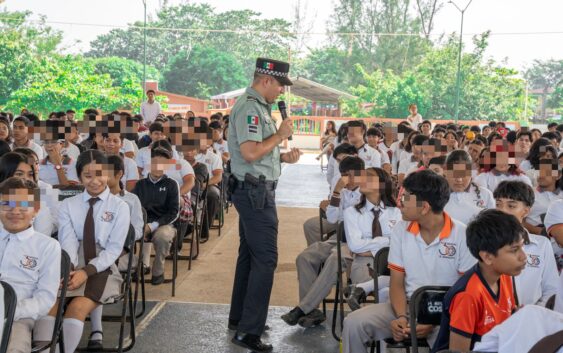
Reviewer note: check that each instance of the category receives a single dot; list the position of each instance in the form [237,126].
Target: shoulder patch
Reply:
[251,99]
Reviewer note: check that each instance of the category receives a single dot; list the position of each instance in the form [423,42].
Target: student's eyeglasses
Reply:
[9,205]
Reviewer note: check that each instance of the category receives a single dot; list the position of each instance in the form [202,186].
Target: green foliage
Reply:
[122,70]
[64,82]
[203,72]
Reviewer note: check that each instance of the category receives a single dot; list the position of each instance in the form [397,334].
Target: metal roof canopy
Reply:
[302,87]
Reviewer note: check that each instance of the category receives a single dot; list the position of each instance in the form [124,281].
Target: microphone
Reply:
[283,112]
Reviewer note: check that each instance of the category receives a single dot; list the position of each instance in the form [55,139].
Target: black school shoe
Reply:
[314,318]
[356,298]
[252,342]
[292,317]
[95,344]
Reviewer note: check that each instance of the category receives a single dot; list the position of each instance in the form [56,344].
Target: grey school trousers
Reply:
[312,229]
[315,286]
[371,323]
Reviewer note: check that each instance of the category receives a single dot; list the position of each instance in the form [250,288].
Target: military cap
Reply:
[277,69]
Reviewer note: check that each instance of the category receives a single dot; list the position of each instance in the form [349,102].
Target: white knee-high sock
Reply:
[43,329]
[72,329]
[96,322]
[147,248]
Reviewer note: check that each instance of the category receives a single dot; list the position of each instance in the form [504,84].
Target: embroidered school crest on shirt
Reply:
[534,260]
[28,262]
[447,250]
[108,216]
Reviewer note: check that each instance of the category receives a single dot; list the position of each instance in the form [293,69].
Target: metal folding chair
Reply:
[57,337]
[339,293]
[10,302]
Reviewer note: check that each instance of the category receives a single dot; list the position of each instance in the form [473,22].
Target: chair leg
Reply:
[335,311]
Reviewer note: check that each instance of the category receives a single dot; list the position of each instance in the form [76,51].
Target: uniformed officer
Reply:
[255,162]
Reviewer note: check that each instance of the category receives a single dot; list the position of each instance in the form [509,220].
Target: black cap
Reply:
[277,69]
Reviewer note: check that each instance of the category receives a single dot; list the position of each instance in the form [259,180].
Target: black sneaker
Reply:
[314,318]
[252,342]
[292,317]
[356,298]
[146,270]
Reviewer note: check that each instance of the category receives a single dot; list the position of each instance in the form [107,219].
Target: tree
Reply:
[64,82]
[545,75]
[427,10]
[123,70]
[202,72]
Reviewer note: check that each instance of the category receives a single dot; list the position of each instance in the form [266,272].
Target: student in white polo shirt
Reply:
[113,142]
[538,282]
[31,261]
[549,189]
[57,168]
[427,248]
[356,133]
[554,226]
[21,136]
[143,158]
[467,199]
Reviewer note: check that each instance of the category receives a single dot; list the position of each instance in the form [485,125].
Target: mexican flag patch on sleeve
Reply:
[252,120]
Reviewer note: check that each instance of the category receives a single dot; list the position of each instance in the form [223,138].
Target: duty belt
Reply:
[270,185]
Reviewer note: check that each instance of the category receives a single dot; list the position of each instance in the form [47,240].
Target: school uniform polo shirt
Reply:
[31,263]
[370,156]
[465,205]
[490,180]
[48,173]
[143,159]
[554,219]
[131,171]
[471,308]
[538,281]
[439,263]
[542,201]
[211,160]
[358,226]
[32,145]
[221,148]
[348,198]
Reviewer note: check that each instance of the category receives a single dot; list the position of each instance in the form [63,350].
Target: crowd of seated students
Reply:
[115,167]
[476,209]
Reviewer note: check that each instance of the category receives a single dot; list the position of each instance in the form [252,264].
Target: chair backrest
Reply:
[66,191]
[427,304]
[144,215]
[65,276]
[10,302]
[341,233]
[380,262]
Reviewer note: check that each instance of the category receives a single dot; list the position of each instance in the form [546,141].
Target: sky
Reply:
[506,19]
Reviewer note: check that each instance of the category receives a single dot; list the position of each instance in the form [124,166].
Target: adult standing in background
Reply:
[414,119]
[151,108]
[256,166]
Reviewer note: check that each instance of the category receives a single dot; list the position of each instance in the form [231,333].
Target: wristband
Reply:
[405,316]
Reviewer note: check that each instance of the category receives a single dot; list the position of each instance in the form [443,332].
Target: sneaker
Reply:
[314,318]
[156,280]
[292,317]
[356,298]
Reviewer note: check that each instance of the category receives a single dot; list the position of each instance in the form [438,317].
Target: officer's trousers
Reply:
[256,263]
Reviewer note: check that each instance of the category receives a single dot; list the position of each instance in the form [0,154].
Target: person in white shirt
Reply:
[93,227]
[143,159]
[374,136]
[554,226]
[116,187]
[332,165]
[549,189]
[215,169]
[421,253]
[500,167]
[538,281]
[113,142]
[356,132]
[57,168]
[219,144]
[414,118]
[21,136]
[541,149]
[409,164]
[151,108]
[31,261]
[14,164]
[467,199]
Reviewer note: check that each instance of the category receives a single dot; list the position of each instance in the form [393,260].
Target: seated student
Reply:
[143,158]
[474,149]
[115,185]
[50,196]
[113,143]
[432,148]
[93,227]
[541,149]
[57,168]
[30,260]
[374,136]
[436,164]
[425,128]
[538,281]
[415,259]
[332,165]
[554,226]
[14,164]
[467,199]
[500,166]
[405,149]
[484,297]
[311,227]
[21,136]
[413,162]
[71,135]
[160,197]
[219,144]
[377,213]
[356,132]
[550,189]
